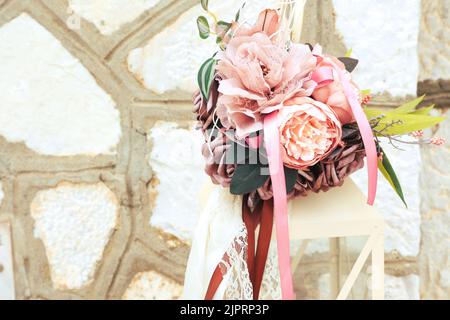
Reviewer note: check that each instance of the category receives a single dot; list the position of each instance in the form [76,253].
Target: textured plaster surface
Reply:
[109,15]
[49,100]
[402,288]
[75,222]
[2,195]
[435,209]
[384,36]
[171,59]
[178,165]
[434,47]
[54,118]
[402,233]
[152,285]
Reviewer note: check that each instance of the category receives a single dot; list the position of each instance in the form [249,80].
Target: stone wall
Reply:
[100,166]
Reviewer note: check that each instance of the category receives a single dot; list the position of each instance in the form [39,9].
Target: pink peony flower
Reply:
[258,76]
[268,22]
[309,132]
[332,93]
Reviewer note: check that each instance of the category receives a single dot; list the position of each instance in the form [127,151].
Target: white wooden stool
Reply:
[341,212]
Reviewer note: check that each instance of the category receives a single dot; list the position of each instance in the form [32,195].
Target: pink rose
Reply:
[309,132]
[333,93]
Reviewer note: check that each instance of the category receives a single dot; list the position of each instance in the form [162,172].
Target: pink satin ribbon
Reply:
[366,134]
[272,142]
[276,168]
[323,76]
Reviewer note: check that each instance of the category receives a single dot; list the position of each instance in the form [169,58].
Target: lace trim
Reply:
[234,265]
[235,271]
[270,286]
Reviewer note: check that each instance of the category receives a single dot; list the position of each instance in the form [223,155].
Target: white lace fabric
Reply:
[236,276]
[221,240]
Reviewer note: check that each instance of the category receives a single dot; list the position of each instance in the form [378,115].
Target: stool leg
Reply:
[378,266]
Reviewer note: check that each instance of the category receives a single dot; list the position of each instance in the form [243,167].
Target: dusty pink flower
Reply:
[258,76]
[309,132]
[332,93]
[268,22]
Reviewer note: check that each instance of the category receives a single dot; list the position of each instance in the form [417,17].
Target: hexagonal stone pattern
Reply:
[49,100]
[109,15]
[152,285]
[384,36]
[75,222]
[178,164]
[170,60]
[402,233]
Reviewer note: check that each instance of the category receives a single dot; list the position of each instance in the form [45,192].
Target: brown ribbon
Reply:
[256,257]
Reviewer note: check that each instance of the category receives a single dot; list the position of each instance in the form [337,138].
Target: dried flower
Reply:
[438,141]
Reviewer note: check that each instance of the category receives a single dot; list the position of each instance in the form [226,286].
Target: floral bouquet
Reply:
[283,119]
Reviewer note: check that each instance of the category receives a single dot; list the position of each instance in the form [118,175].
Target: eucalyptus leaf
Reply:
[388,172]
[203,27]
[247,178]
[350,63]
[204,4]
[205,77]
[291,178]
[223,24]
[222,29]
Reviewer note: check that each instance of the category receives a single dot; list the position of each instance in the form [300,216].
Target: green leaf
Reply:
[223,27]
[349,52]
[204,4]
[406,123]
[247,178]
[203,27]
[238,14]
[224,24]
[350,63]
[394,123]
[205,77]
[388,172]
[409,106]
[372,113]
[291,178]
[424,111]
[365,92]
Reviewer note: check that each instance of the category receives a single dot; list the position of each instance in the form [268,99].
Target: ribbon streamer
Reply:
[276,168]
[272,142]
[366,134]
